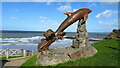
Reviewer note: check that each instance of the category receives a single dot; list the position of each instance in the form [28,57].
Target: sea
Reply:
[29,39]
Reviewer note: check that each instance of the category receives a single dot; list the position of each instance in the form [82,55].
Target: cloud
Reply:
[106,14]
[49,21]
[64,8]
[113,23]
[100,22]
[43,17]
[60,0]
[13,17]
[59,3]
[17,0]
[44,21]
[108,25]
[44,0]
[55,23]
[54,0]
[48,2]
[16,10]
[111,3]
[75,10]
[67,7]
[72,10]
[92,5]
[108,0]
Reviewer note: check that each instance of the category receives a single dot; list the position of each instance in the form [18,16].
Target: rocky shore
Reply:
[95,39]
[114,34]
[90,39]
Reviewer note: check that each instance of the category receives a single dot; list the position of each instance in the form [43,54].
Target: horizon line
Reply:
[40,31]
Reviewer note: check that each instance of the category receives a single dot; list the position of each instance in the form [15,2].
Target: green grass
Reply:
[104,57]
[3,58]
[30,62]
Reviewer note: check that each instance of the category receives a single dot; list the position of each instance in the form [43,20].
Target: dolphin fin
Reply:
[85,17]
[68,13]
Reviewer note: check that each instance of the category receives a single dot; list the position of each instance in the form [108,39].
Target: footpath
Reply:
[16,62]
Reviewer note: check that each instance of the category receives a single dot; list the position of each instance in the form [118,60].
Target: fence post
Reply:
[24,53]
[27,52]
[32,52]
[7,53]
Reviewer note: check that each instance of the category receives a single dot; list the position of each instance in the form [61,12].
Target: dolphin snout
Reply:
[90,11]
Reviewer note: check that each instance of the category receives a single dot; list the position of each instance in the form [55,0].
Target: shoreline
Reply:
[90,39]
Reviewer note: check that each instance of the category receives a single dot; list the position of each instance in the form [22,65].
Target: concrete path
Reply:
[15,62]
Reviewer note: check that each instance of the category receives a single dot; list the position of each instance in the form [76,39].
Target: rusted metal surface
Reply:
[51,36]
[79,14]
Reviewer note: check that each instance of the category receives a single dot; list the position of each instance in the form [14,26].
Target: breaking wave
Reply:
[31,41]
[21,41]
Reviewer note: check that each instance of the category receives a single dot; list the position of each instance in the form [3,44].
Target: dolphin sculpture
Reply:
[52,36]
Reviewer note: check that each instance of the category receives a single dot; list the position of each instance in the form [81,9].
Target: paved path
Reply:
[16,62]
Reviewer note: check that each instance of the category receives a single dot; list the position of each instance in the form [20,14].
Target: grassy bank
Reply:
[3,58]
[107,55]
[30,62]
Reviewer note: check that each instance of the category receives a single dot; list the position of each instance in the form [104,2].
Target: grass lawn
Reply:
[31,62]
[107,55]
[3,58]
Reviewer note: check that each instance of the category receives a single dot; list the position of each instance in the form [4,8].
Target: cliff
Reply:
[114,34]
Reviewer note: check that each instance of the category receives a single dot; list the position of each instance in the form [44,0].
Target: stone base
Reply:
[60,55]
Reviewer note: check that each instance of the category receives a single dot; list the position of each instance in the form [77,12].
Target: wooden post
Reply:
[32,52]
[24,53]
[27,52]
[7,53]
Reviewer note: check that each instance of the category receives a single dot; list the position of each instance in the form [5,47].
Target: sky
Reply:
[41,16]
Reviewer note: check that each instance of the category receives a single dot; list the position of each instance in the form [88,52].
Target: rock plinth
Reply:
[80,48]
[60,55]
[81,39]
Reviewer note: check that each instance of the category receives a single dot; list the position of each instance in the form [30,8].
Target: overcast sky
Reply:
[40,16]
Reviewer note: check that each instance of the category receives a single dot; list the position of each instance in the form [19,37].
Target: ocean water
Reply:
[30,39]
[25,34]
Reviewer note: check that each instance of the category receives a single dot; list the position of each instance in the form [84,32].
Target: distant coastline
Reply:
[26,34]
[90,39]
[29,40]
[22,31]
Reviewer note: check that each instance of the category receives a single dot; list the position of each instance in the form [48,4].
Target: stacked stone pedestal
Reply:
[61,55]
[81,39]
[80,48]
